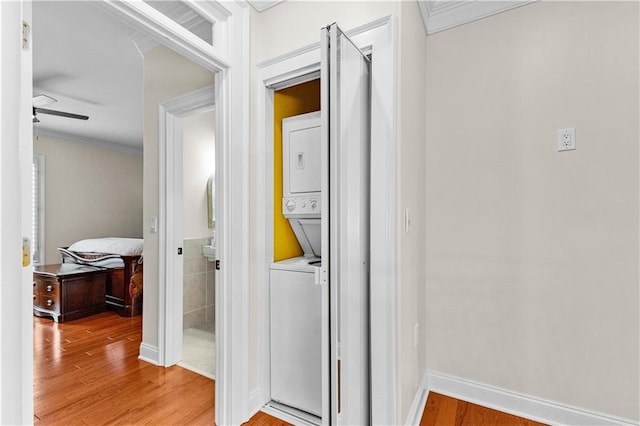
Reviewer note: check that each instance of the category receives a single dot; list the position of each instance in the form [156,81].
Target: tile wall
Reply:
[199,284]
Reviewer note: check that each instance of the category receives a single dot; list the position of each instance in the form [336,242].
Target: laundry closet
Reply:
[295,296]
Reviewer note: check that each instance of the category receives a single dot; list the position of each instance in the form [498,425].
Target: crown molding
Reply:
[440,15]
[262,5]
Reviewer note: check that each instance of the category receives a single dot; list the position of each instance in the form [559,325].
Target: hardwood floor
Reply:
[87,372]
[442,410]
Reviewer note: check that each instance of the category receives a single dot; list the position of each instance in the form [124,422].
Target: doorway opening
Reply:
[188,150]
[376,39]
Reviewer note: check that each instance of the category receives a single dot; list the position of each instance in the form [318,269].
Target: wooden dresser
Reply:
[68,291]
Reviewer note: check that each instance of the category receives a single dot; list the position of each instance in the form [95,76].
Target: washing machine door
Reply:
[296,347]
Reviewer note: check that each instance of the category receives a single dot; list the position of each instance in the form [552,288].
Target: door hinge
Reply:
[179,251]
[217,265]
[26,35]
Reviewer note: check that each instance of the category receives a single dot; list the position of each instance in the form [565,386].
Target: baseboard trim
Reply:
[149,354]
[518,404]
[255,401]
[419,402]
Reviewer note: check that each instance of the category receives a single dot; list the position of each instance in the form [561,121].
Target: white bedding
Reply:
[111,245]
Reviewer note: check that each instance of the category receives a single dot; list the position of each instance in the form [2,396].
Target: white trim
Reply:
[229,58]
[380,36]
[170,235]
[262,5]
[518,404]
[419,402]
[442,15]
[255,402]
[39,161]
[286,414]
[170,33]
[149,354]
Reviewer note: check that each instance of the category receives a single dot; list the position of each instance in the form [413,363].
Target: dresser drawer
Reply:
[46,287]
[50,302]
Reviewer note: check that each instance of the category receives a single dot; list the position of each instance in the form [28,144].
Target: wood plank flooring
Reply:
[87,372]
[442,410]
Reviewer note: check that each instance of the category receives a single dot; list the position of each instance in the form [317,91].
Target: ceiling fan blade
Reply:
[60,113]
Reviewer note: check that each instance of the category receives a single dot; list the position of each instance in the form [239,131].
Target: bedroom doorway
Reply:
[231,69]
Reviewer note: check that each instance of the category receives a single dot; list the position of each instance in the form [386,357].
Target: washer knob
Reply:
[314,204]
[291,205]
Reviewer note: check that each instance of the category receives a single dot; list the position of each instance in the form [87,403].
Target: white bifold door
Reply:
[345,111]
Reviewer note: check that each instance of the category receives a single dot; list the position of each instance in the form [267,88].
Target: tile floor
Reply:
[199,350]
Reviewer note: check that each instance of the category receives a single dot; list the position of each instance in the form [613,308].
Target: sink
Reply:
[209,252]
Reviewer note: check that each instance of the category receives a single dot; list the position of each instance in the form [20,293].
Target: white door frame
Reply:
[170,270]
[377,37]
[229,58]
[16,154]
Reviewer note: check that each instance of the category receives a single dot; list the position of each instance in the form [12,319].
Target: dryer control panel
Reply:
[301,205]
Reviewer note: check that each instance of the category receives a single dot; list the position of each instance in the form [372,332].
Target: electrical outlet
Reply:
[566,139]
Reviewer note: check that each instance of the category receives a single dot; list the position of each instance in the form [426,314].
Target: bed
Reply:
[123,258]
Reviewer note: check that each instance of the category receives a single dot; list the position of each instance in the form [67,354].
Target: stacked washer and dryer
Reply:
[295,297]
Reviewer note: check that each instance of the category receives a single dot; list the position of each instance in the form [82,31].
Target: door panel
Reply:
[345,227]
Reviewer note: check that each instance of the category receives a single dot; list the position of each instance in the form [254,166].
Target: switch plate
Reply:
[153,225]
[407,221]
[566,139]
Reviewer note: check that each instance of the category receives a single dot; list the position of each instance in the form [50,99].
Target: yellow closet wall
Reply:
[288,102]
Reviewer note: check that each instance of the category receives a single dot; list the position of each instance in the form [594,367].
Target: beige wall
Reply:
[90,192]
[167,75]
[532,254]
[198,156]
[271,37]
[411,189]
[272,30]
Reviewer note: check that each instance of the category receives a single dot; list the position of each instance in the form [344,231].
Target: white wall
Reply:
[272,36]
[532,254]
[198,156]
[167,75]
[90,192]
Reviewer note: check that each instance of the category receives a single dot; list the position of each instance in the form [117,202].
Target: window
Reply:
[37,232]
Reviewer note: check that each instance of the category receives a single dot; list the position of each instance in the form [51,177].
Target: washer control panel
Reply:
[306,205]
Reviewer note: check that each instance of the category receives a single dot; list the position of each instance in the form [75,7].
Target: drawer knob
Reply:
[49,302]
[49,288]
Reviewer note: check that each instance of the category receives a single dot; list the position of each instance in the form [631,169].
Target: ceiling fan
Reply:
[42,100]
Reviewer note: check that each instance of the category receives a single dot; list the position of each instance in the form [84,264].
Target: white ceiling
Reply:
[86,60]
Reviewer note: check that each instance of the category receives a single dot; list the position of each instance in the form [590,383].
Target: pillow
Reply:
[111,245]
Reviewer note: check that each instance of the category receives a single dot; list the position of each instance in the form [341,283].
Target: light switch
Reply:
[153,225]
